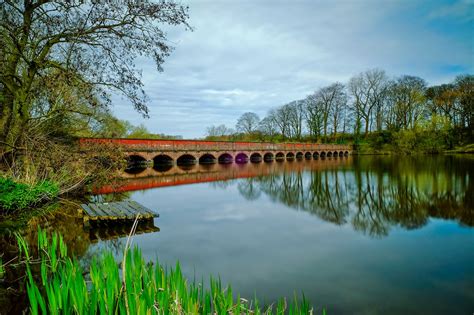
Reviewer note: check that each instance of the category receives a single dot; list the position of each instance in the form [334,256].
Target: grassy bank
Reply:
[57,284]
[16,196]
[462,149]
[367,148]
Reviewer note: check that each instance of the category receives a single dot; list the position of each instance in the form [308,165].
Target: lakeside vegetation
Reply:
[58,284]
[376,113]
[60,64]
[375,193]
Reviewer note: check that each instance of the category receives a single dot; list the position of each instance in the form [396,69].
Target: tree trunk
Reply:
[14,117]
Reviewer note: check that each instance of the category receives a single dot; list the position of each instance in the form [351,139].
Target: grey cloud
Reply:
[255,55]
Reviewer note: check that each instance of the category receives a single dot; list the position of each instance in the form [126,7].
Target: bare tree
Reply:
[282,120]
[247,123]
[296,118]
[314,116]
[268,126]
[331,100]
[368,91]
[219,131]
[338,105]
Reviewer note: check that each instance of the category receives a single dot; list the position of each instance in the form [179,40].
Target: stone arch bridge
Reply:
[170,152]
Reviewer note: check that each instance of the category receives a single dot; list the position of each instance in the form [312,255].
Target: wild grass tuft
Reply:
[134,287]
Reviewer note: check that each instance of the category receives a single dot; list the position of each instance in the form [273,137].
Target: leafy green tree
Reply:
[406,98]
[86,44]
[465,90]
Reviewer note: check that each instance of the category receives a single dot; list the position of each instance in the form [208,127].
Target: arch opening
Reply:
[329,154]
[299,155]
[207,159]
[255,158]
[136,164]
[186,159]
[323,154]
[341,153]
[241,158]
[268,157]
[307,155]
[290,156]
[162,163]
[280,157]
[346,153]
[316,155]
[162,159]
[335,154]
[225,158]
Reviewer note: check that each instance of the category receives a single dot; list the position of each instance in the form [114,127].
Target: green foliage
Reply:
[428,136]
[431,136]
[2,269]
[142,289]
[405,140]
[17,196]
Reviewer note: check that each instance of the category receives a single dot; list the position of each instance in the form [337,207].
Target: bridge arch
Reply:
[256,157]
[335,154]
[299,155]
[241,158]
[307,155]
[268,157]
[316,155]
[322,154]
[329,154]
[341,153]
[186,159]
[290,156]
[207,158]
[346,153]
[225,158]
[280,156]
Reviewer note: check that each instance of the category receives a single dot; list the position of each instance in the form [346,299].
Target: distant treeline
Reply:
[402,113]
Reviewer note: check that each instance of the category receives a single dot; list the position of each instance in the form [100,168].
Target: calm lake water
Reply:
[357,235]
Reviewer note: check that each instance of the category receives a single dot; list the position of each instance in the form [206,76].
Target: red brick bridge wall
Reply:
[149,149]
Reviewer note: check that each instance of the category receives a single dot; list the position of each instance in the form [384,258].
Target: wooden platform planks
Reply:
[120,210]
[115,231]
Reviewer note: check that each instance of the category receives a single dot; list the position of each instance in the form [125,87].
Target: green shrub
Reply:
[17,196]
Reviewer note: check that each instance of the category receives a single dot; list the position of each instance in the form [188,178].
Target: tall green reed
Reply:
[132,287]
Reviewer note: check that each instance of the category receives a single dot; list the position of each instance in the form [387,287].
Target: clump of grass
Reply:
[17,196]
[138,288]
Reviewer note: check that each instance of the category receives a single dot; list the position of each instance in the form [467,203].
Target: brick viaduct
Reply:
[182,152]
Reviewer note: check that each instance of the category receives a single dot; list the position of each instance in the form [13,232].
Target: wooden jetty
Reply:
[120,210]
[114,231]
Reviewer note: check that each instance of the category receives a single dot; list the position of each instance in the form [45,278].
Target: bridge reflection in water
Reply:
[140,178]
[370,193]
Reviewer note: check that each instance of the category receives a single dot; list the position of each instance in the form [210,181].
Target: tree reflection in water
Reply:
[377,193]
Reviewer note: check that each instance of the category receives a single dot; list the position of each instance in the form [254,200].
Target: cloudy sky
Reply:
[248,55]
